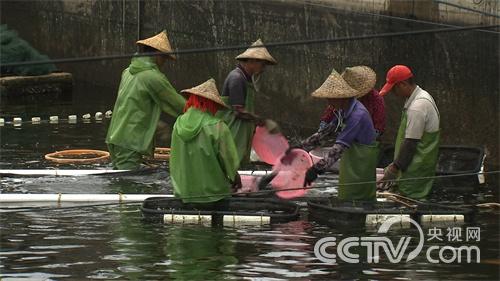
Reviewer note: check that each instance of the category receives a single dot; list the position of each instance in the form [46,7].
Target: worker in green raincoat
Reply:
[143,93]
[417,141]
[239,93]
[204,160]
[354,134]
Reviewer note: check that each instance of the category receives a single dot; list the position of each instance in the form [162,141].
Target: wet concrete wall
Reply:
[459,69]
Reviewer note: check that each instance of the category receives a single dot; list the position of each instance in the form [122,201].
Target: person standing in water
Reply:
[143,94]
[239,93]
[204,161]
[417,141]
[354,146]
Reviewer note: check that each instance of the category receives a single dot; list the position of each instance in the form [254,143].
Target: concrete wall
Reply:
[459,69]
[429,10]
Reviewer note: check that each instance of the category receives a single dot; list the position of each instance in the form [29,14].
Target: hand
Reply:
[259,121]
[265,180]
[248,116]
[236,183]
[271,126]
[389,178]
[311,175]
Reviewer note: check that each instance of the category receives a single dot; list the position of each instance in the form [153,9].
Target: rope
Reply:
[274,191]
[337,185]
[394,199]
[466,8]
[241,47]
[32,209]
[392,17]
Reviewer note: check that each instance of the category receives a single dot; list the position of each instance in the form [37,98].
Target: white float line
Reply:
[81,198]
[18,121]
[60,172]
[77,172]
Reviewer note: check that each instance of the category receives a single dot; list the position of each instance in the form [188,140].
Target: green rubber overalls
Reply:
[242,130]
[358,165]
[423,163]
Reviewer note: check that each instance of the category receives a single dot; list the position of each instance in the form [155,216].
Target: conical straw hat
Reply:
[160,42]
[335,87]
[259,53]
[207,90]
[361,78]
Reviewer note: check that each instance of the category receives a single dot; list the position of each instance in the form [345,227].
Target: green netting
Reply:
[15,49]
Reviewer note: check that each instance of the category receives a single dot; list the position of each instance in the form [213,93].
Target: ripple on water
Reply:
[284,254]
[130,269]
[30,258]
[56,247]
[163,263]
[14,253]
[104,274]
[31,276]
[280,271]
[66,265]
[116,257]
[276,243]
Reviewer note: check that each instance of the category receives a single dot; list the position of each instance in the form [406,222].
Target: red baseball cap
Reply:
[396,74]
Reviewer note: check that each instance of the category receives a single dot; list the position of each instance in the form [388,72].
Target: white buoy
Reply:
[72,119]
[235,220]
[53,119]
[2,121]
[377,219]
[98,115]
[18,120]
[187,219]
[36,120]
[451,218]
[108,113]
[86,116]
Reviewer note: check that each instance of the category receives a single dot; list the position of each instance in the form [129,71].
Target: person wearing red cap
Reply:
[417,141]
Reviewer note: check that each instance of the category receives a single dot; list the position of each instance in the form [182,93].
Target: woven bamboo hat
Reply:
[259,53]
[361,78]
[207,90]
[160,42]
[335,87]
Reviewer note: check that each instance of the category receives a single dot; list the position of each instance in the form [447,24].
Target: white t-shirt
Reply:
[422,114]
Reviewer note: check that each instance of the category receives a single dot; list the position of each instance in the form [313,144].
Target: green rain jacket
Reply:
[144,92]
[204,159]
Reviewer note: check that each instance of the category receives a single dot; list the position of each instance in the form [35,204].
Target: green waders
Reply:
[423,163]
[242,130]
[358,165]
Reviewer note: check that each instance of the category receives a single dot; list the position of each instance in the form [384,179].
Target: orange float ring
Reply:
[162,153]
[65,156]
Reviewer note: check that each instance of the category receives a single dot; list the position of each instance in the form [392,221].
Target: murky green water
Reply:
[115,243]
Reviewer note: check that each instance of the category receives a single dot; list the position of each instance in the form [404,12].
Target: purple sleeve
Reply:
[358,128]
